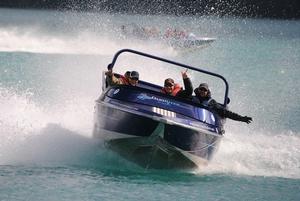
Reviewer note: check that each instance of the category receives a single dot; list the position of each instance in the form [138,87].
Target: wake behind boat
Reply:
[153,129]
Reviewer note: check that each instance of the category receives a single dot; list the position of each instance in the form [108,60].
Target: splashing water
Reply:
[47,100]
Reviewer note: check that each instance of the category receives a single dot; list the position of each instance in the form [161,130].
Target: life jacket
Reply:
[124,80]
[176,89]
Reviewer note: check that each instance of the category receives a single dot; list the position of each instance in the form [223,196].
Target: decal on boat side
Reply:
[144,96]
[116,91]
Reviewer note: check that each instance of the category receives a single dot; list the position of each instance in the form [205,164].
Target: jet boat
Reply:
[153,129]
[177,39]
[190,43]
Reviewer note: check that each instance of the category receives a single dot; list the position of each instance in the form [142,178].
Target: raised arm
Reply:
[224,113]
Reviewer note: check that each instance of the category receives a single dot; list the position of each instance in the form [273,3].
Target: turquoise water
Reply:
[50,75]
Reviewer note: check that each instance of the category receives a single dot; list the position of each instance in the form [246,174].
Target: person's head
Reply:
[169,85]
[202,91]
[127,74]
[133,77]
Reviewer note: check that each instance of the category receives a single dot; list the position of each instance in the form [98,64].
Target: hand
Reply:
[109,73]
[247,120]
[109,67]
[184,74]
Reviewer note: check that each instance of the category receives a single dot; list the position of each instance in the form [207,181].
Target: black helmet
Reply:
[134,75]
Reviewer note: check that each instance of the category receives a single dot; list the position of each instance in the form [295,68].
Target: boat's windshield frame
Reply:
[111,65]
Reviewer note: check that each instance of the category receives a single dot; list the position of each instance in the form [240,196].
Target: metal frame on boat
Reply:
[153,129]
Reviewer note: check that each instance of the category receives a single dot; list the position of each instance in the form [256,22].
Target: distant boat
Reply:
[190,43]
[153,129]
[177,39]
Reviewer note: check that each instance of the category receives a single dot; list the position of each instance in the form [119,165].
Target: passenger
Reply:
[174,89]
[203,96]
[127,74]
[129,78]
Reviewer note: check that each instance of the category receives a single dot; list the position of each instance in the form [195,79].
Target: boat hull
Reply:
[150,142]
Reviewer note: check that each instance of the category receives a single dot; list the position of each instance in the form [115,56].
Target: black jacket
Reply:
[187,92]
[220,110]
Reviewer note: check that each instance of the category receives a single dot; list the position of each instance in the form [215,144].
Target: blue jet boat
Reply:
[153,129]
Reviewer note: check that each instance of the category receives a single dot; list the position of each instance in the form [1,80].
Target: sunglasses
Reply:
[169,85]
[134,78]
[202,89]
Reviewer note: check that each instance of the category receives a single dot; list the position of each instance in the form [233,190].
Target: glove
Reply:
[109,67]
[246,119]
[109,73]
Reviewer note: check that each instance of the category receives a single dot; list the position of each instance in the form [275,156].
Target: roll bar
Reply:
[111,65]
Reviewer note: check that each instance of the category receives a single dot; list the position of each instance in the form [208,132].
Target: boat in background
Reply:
[190,43]
[178,39]
[153,129]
